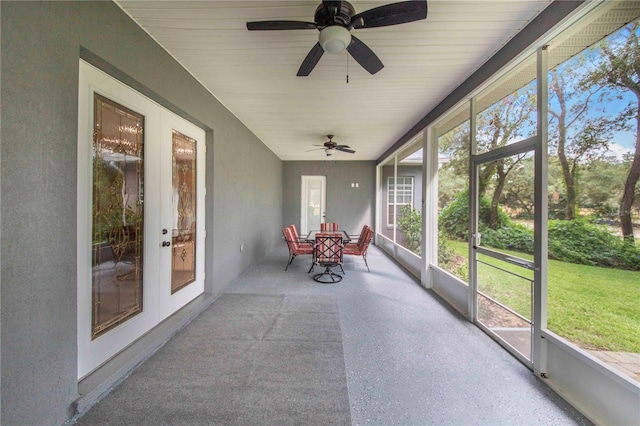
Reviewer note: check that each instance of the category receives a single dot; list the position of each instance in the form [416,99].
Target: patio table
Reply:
[311,238]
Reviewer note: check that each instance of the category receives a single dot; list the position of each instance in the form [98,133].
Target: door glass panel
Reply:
[505,301]
[314,203]
[183,259]
[118,172]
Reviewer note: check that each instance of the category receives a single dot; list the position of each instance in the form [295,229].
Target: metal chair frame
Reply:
[295,245]
[327,252]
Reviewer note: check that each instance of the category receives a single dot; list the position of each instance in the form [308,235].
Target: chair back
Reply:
[363,243]
[329,227]
[363,234]
[295,232]
[328,249]
[292,241]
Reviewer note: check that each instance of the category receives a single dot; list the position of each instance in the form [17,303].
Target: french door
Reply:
[140,216]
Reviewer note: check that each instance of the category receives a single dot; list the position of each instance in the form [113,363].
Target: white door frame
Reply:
[304,202]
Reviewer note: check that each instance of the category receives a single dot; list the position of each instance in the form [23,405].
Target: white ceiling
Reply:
[253,73]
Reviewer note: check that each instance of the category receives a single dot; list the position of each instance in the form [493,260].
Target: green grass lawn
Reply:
[594,307]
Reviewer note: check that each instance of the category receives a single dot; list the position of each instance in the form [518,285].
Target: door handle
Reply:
[166,243]
[519,262]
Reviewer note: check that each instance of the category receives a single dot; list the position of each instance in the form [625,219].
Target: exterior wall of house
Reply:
[41,43]
[350,207]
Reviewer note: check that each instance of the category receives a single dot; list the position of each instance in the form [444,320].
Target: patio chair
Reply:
[296,247]
[360,248]
[327,252]
[329,227]
[360,237]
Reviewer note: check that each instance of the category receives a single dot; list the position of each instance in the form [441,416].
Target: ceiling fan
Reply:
[330,147]
[336,19]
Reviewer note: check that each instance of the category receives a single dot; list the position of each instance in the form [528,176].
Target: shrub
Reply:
[578,241]
[410,224]
[511,236]
[450,260]
[454,218]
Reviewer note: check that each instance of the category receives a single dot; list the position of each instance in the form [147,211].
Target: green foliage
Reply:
[109,209]
[410,224]
[579,241]
[449,259]
[511,236]
[454,218]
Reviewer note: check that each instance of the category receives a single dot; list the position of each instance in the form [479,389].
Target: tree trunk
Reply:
[497,193]
[570,208]
[626,222]
[484,176]
[569,183]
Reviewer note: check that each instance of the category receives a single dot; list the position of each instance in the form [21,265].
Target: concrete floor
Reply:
[410,359]
[625,362]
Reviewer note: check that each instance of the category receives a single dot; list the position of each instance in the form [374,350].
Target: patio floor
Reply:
[409,357]
[625,362]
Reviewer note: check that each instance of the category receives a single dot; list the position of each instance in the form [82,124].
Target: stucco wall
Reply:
[41,46]
[350,207]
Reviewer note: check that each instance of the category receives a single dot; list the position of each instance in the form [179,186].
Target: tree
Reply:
[601,192]
[505,121]
[453,173]
[619,68]
[578,137]
[519,194]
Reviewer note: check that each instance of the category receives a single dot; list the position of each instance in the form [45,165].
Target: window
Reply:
[404,197]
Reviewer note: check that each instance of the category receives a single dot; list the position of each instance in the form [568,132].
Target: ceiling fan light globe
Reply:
[330,151]
[335,39]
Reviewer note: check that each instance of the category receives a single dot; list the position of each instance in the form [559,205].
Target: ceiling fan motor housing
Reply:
[325,17]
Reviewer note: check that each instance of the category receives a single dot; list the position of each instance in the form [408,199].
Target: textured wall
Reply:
[41,45]
[350,207]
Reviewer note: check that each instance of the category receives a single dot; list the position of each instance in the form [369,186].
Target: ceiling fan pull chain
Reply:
[347,68]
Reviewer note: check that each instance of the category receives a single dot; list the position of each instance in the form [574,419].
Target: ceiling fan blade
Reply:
[391,14]
[311,60]
[333,7]
[280,25]
[364,56]
[345,148]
